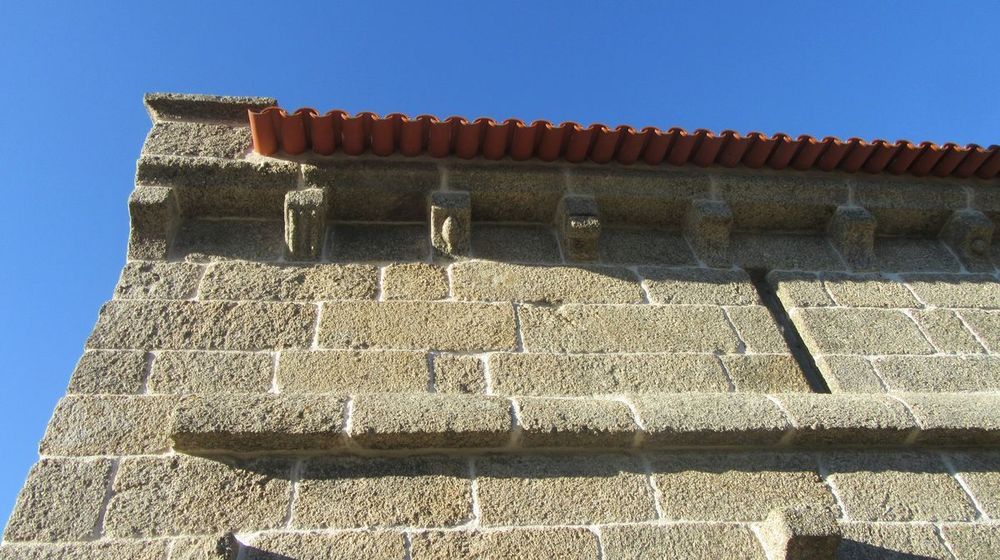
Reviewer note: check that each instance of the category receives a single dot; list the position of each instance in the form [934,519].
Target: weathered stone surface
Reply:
[849,331]
[758,329]
[710,419]
[378,189]
[247,423]
[890,541]
[946,331]
[346,492]
[494,281]
[370,545]
[699,285]
[186,106]
[211,372]
[799,289]
[956,418]
[852,232]
[188,495]
[421,421]
[60,501]
[969,233]
[708,226]
[868,290]
[604,374]
[784,252]
[418,325]
[640,197]
[899,254]
[935,374]
[847,419]
[765,373]
[259,281]
[108,425]
[222,187]
[600,328]
[576,423]
[520,192]
[154,214]
[644,246]
[801,534]
[985,325]
[906,206]
[899,486]
[973,542]
[204,548]
[539,490]
[849,374]
[981,473]
[105,550]
[109,371]
[980,291]
[524,544]
[680,541]
[451,222]
[158,280]
[806,201]
[414,281]
[189,325]
[579,223]
[352,372]
[510,243]
[378,242]
[454,373]
[736,486]
[212,240]
[305,224]
[198,139]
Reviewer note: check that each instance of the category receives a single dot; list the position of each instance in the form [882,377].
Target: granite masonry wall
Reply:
[408,358]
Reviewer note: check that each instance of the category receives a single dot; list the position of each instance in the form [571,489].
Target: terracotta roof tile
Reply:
[275,129]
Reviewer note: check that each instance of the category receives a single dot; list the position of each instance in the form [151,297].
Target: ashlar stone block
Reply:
[899,486]
[523,544]
[801,534]
[549,490]
[61,501]
[346,492]
[184,495]
[268,422]
[414,420]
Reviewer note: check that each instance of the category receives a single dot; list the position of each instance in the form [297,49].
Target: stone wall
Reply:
[390,358]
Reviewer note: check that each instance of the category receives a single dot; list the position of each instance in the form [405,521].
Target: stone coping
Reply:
[391,422]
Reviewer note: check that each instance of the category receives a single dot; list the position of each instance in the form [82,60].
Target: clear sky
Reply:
[72,121]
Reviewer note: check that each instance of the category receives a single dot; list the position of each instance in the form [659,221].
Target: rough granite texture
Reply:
[410,364]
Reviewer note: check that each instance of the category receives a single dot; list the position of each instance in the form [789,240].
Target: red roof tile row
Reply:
[274,129]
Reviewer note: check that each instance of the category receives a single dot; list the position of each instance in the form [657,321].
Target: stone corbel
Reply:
[579,222]
[970,234]
[305,224]
[155,215]
[451,223]
[707,227]
[852,232]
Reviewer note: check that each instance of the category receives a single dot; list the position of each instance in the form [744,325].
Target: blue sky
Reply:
[73,121]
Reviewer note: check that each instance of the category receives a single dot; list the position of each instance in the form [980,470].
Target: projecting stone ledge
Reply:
[429,421]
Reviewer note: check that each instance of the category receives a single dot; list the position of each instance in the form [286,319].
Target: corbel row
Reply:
[708,224]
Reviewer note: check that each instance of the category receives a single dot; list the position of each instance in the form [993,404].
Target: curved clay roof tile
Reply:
[274,130]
